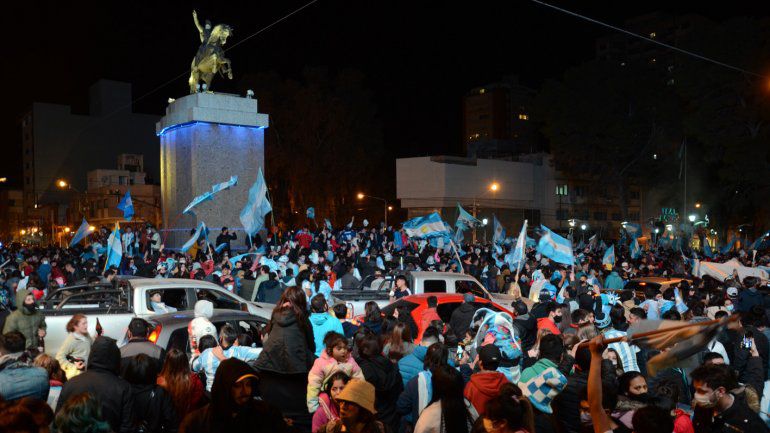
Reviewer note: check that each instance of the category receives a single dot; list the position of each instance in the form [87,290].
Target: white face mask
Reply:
[585,418]
[703,401]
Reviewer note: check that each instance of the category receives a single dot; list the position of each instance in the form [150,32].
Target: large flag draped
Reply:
[555,247]
[426,227]
[253,214]
[82,232]
[127,206]
[114,248]
[209,195]
[609,256]
[499,230]
[466,219]
[187,245]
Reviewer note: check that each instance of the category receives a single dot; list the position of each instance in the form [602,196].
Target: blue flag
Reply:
[219,248]
[310,212]
[114,248]
[234,260]
[609,256]
[82,232]
[634,230]
[329,224]
[555,247]
[209,195]
[707,250]
[398,240]
[426,227]
[636,252]
[499,230]
[253,214]
[726,249]
[224,185]
[127,206]
[459,236]
[190,242]
[466,219]
[517,257]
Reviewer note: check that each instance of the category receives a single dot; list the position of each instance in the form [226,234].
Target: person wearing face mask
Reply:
[716,408]
[27,320]
[553,317]
[633,395]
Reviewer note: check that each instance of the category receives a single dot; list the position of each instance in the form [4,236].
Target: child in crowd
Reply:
[328,406]
[335,357]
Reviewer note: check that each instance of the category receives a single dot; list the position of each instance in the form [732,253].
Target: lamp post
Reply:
[493,188]
[361,196]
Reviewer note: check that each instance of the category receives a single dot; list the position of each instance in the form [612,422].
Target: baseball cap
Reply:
[489,354]
[732,292]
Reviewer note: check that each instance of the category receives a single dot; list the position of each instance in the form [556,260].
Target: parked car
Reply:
[115,305]
[447,303]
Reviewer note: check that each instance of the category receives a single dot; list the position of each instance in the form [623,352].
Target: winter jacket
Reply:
[431,420]
[323,368]
[290,347]
[374,326]
[269,291]
[412,364]
[76,346]
[324,323]
[154,409]
[19,378]
[746,299]
[566,405]
[613,281]
[384,375]
[102,381]
[527,327]
[201,325]
[428,315]
[136,346]
[483,387]
[416,396]
[461,318]
[223,415]
[326,412]
[28,323]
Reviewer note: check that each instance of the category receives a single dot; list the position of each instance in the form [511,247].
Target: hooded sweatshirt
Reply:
[201,325]
[102,381]
[322,324]
[483,387]
[25,321]
[224,415]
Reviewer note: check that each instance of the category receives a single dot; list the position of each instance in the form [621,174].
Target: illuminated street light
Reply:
[61,183]
[697,205]
[22,232]
[583,227]
[692,218]
[91,228]
[360,196]
[390,207]
[66,229]
[485,221]
[494,186]
[657,231]
[669,227]
[3,179]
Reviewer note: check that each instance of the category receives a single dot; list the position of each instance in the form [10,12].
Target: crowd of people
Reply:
[545,367]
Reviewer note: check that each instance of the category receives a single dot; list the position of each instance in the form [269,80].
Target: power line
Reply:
[654,41]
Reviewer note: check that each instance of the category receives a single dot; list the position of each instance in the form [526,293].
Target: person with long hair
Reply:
[74,351]
[153,408]
[56,376]
[287,357]
[449,411]
[373,317]
[328,405]
[399,343]
[81,413]
[184,386]
[384,375]
[357,410]
[509,412]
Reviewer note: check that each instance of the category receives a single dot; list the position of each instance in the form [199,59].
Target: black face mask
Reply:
[642,398]
[557,319]
[30,307]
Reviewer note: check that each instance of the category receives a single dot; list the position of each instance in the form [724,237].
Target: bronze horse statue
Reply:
[210,58]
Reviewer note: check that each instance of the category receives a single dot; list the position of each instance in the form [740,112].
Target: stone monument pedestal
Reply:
[204,139]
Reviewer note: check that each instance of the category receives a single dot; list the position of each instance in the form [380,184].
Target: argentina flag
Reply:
[426,227]
[555,247]
[466,219]
[499,230]
[516,258]
[636,252]
[114,248]
[127,206]
[609,256]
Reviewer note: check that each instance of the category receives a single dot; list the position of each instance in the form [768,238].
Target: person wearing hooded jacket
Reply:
[485,385]
[233,407]
[322,322]
[384,375]
[102,381]
[201,325]
[26,319]
[460,321]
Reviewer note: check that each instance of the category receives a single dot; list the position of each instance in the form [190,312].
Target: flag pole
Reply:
[459,260]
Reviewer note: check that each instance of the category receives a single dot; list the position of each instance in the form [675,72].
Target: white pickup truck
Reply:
[418,283]
[115,305]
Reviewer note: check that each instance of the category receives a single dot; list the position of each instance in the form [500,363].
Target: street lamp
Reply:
[485,221]
[3,179]
[494,187]
[66,229]
[697,205]
[583,227]
[22,232]
[387,208]
[390,207]
[61,183]
[91,228]
[692,218]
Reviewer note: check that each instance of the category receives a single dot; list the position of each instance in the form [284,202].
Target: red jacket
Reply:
[304,239]
[428,316]
[548,324]
[483,387]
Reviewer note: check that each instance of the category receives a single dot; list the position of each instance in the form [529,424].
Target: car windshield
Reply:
[641,285]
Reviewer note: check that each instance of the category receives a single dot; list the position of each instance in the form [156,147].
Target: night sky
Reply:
[419,57]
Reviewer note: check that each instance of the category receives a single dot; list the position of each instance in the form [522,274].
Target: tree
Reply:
[605,122]
[324,143]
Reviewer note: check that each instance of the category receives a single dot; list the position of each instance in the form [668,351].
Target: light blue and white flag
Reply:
[726,249]
[219,248]
[531,242]
[114,248]
[499,230]
[609,256]
[466,219]
[555,247]
[82,232]
[198,231]
[707,249]
[398,240]
[517,257]
[634,230]
[224,185]
[234,260]
[636,251]
[757,243]
[253,214]
[426,227]
[310,213]
[592,241]
[329,224]
[127,206]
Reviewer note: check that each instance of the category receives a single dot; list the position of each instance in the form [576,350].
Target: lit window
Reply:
[561,189]
[523,117]
[653,60]
[482,91]
[652,35]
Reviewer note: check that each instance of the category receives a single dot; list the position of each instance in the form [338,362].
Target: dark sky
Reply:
[419,57]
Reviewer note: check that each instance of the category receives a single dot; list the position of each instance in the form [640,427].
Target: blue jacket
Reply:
[19,379]
[412,364]
[747,299]
[613,281]
[44,271]
[322,324]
